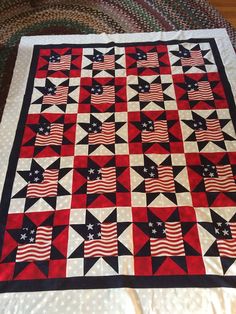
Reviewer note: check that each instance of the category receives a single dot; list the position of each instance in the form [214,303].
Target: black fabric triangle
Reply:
[202,145]
[62,107]
[89,263]
[82,189]
[55,164]
[217,218]
[43,266]
[10,257]
[52,201]
[151,216]
[189,250]
[55,254]
[157,261]
[111,162]
[48,221]
[174,216]
[151,197]
[213,250]
[57,230]
[180,261]
[167,161]
[122,250]
[61,190]
[171,197]
[19,267]
[112,261]
[79,252]
[186,227]
[91,198]
[120,187]
[179,188]
[112,217]
[21,194]
[30,202]
[119,139]
[91,219]
[208,226]
[121,227]
[145,250]
[140,187]
[211,197]
[111,197]
[177,170]
[63,172]
[226,262]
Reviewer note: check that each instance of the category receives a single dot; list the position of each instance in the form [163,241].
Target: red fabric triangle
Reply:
[169,267]
[38,218]
[191,237]
[60,242]
[140,239]
[31,271]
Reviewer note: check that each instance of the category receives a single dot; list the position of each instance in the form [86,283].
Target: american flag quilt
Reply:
[122,170]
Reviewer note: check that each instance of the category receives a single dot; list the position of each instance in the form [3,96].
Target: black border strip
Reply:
[97,282]
[119,281]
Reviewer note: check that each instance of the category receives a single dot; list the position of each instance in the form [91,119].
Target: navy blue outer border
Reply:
[98,282]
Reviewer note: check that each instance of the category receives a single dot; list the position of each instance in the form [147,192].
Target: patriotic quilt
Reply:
[122,169]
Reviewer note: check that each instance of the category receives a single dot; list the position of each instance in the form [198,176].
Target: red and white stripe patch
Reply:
[227,247]
[172,245]
[63,64]
[53,138]
[203,93]
[106,246]
[160,133]
[164,182]
[105,185]
[107,64]
[154,94]
[106,136]
[195,59]
[224,183]
[108,96]
[151,62]
[46,188]
[38,251]
[59,98]
[213,132]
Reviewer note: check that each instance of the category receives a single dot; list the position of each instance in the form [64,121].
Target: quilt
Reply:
[118,164]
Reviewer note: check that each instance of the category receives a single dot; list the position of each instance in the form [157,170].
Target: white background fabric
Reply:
[148,301]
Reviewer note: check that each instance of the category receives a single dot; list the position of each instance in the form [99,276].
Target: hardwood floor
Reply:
[227,9]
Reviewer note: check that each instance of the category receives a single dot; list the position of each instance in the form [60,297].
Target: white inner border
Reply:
[171,300]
